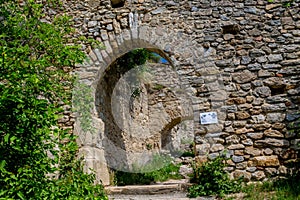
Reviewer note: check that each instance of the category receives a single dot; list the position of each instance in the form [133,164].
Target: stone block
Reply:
[258,175]
[236,146]
[273,133]
[243,77]
[252,151]
[273,142]
[203,149]
[216,147]
[266,161]
[241,173]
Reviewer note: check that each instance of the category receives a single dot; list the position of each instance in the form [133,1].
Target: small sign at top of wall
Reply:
[208,118]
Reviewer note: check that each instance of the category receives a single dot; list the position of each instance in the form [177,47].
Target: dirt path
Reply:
[171,190]
[169,196]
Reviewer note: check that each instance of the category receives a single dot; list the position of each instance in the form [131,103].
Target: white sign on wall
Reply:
[208,118]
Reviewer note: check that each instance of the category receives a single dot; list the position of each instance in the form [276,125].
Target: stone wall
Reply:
[238,58]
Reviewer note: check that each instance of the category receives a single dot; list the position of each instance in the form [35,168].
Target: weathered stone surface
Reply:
[273,133]
[202,149]
[290,62]
[261,127]
[274,107]
[251,169]
[245,106]
[270,171]
[242,115]
[272,6]
[247,142]
[256,53]
[275,58]
[275,117]
[241,165]
[236,146]
[262,92]
[267,151]
[233,139]
[258,118]
[243,130]
[266,161]
[274,82]
[92,24]
[237,159]
[292,116]
[258,175]
[255,135]
[282,170]
[243,77]
[252,151]
[273,142]
[241,173]
[216,147]
[213,156]
[185,171]
[265,73]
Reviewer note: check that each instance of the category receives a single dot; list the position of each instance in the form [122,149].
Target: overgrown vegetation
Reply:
[160,168]
[37,158]
[210,178]
[286,3]
[281,189]
[82,102]
[135,58]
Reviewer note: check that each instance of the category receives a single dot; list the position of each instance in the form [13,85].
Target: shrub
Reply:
[35,58]
[210,178]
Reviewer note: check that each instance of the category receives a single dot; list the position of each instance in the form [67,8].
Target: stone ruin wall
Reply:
[240,58]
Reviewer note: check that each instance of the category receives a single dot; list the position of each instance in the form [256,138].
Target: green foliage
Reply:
[167,170]
[135,58]
[281,189]
[38,159]
[293,128]
[210,178]
[286,4]
[82,102]
[158,87]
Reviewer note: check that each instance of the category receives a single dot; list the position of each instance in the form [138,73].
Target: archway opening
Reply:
[141,103]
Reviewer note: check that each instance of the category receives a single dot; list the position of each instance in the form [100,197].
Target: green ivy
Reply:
[37,158]
[82,102]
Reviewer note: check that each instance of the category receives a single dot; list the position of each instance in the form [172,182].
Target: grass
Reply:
[281,189]
[167,171]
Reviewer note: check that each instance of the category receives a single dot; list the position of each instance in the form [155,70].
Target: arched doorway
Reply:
[140,100]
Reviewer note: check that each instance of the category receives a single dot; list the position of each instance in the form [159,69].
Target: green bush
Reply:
[287,188]
[210,178]
[37,158]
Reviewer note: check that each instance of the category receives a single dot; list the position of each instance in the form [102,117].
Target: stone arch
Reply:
[177,47]
[116,138]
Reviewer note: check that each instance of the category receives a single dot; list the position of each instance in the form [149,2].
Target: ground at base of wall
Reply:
[172,196]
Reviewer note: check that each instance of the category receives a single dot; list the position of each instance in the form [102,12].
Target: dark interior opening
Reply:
[117,3]
[232,29]
[276,91]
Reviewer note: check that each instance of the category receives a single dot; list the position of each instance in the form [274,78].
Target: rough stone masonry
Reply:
[238,58]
